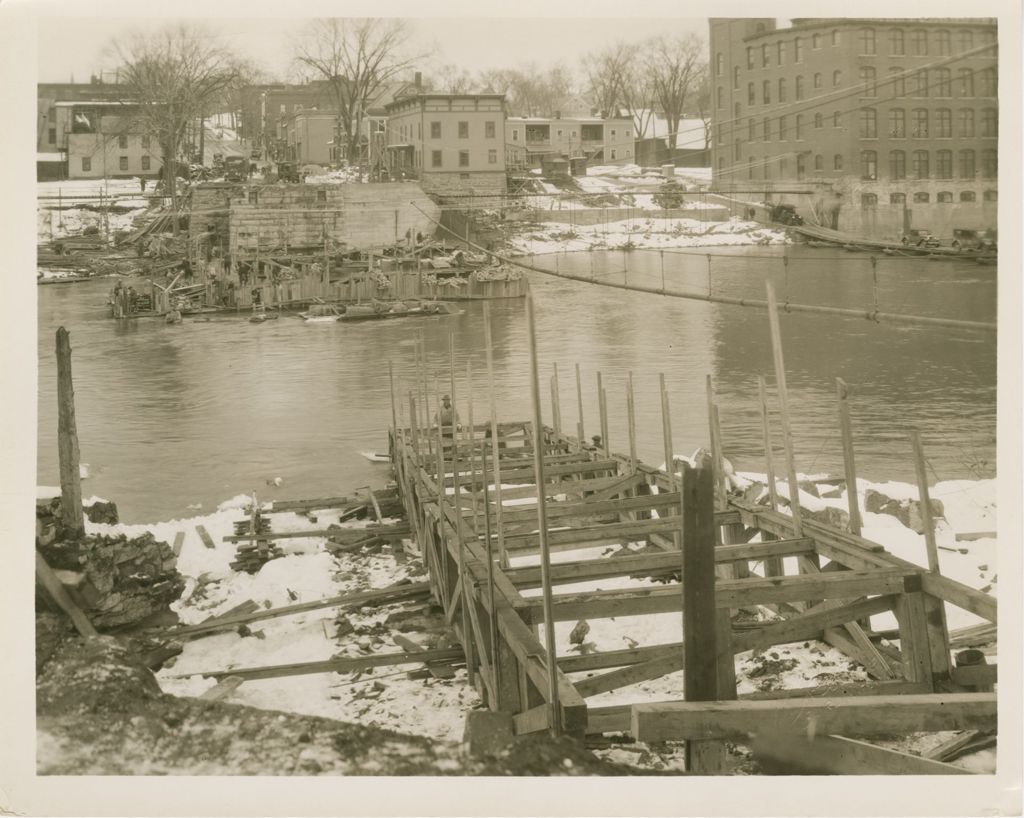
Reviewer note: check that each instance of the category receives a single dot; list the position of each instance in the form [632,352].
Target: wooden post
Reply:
[601,416]
[470,429]
[551,659]
[666,433]
[495,449]
[492,617]
[849,465]
[67,442]
[556,407]
[394,410]
[721,490]
[780,380]
[579,408]
[603,398]
[467,645]
[700,644]
[631,420]
[769,457]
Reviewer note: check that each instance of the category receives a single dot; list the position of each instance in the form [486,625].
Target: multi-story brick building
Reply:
[869,125]
[454,143]
[596,138]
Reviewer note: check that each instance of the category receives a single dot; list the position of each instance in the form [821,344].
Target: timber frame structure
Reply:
[823,582]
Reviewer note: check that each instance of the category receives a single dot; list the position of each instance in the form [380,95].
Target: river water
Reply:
[173,417]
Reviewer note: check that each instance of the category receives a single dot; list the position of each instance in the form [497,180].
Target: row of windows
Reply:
[122,163]
[920,164]
[924,124]
[921,197]
[922,43]
[437,159]
[939,82]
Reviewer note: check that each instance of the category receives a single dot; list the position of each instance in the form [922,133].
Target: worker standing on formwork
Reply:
[447,418]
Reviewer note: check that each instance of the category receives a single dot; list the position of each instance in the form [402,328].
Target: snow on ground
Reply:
[58,224]
[74,191]
[336,177]
[643,233]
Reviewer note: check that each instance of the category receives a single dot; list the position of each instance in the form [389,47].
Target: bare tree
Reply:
[451,79]
[606,73]
[638,97]
[356,57]
[703,101]
[171,78]
[529,90]
[674,67]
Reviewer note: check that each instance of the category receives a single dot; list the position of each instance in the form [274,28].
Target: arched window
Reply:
[987,83]
[817,79]
[921,198]
[990,122]
[897,165]
[782,89]
[868,123]
[837,162]
[783,167]
[736,150]
[966,169]
[835,36]
[943,123]
[751,136]
[921,83]
[767,130]
[800,166]
[942,40]
[736,111]
[989,164]
[721,96]
[898,80]
[751,99]
[750,56]
[897,123]
[766,91]
[919,164]
[919,123]
[867,42]
[898,198]
[837,78]
[736,78]
[719,64]
[867,81]
[967,196]
[819,120]
[815,41]
[750,167]
[966,123]
[944,165]
[965,82]
[799,134]
[919,42]
[869,200]
[764,55]
[943,82]
[780,52]
[897,46]
[819,162]
[837,120]
[782,129]
[798,50]
[964,40]
[944,197]
[868,165]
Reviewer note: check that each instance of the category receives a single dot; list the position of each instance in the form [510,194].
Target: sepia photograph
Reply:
[500,396]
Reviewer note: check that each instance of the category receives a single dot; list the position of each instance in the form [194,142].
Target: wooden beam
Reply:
[52,585]
[69,457]
[874,715]
[208,540]
[838,755]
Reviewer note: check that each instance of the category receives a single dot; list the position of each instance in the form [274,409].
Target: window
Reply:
[145,163]
[966,123]
[965,82]
[782,90]
[463,159]
[613,153]
[837,120]
[944,166]
[489,129]
[145,143]
[897,198]
[284,109]
[921,84]
[835,37]
[798,54]
[766,91]
[783,167]
[492,156]
[751,136]
[919,164]
[86,163]
[868,165]
[868,199]
[613,132]
[736,78]
[750,167]
[964,41]
[943,123]
[817,79]
[435,159]
[989,164]
[735,114]
[899,82]
[321,195]
[897,123]
[122,163]
[837,78]
[867,41]
[254,197]
[967,196]
[764,55]
[435,131]
[799,126]
[837,162]
[782,128]
[921,198]
[819,162]
[919,42]
[942,39]
[736,150]
[799,166]
[868,123]
[122,141]
[990,196]
[780,52]
[966,164]
[816,41]
[867,81]
[463,130]
[750,57]
[919,123]
[751,99]
[799,88]
[897,46]
[943,82]
[990,122]
[719,64]
[897,165]
[944,197]
[767,125]
[819,120]
[51,136]
[987,85]
[464,176]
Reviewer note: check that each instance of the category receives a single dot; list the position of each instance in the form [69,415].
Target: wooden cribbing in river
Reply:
[68,453]
[377,597]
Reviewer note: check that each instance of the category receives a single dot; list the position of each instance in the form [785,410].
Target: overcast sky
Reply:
[78,46]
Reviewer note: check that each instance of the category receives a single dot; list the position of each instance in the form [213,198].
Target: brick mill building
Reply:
[867,125]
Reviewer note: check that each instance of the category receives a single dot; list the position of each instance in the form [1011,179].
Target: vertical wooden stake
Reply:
[849,464]
[780,380]
[556,406]
[603,398]
[68,454]
[716,447]
[472,441]
[631,420]
[495,449]
[666,433]
[467,598]
[769,457]
[579,408]
[551,658]
[394,408]
[492,617]
[600,414]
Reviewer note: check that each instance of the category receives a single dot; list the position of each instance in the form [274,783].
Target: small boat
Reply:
[376,457]
[323,313]
[259,314]
[380,310]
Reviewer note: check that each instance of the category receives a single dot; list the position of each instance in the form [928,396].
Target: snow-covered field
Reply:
[68,220]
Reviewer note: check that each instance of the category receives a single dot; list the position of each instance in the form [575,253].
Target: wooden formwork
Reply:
[596,498]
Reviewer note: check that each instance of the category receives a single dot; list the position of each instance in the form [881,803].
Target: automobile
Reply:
[974,240]
[919,238]
[785,214]
[288,172]
[236,169]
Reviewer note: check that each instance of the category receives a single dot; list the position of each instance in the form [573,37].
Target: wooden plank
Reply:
[345,665]
[204,535]
[593,506]
[849,461]
[629,531]
[52,585]
[873,715]
[533,720]
[179,540]
[700,637]
[224,688]
[372,597]
[951,748]
[975,675]
[839,755]
[662,664]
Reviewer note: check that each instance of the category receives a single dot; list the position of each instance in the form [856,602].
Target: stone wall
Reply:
[480,183]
